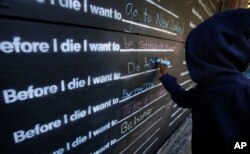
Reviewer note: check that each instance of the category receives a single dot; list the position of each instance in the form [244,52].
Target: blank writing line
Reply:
[150,145]
[123,100]
[184,110]
[178,110]
[147,140]
[196,13]
[205,8]
[147,50]
[184,73]
[185,82]
[212,4]
[140,136]
[149,27]
[192,25]
[175,105]
[140,124]
[142,108]
[160,7]
[191,86]
[133,75]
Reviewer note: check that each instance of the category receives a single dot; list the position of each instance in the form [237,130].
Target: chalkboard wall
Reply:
[78,76]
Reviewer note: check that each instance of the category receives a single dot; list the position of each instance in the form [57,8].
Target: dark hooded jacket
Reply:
[217,52]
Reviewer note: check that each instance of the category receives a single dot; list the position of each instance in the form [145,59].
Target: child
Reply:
[217,52]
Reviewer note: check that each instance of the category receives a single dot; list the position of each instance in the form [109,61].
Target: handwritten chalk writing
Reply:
[96,10]
[168,24]
[149,63]
[126,126]
[131,12]
[147,16]
[132,68]
[141,117]
[130,124]
[19,46]
[152,44]
[22,135]
[129,44]
[127,93]
[133,106]
[101,129]
[145,43]
[12,95]
[161,22]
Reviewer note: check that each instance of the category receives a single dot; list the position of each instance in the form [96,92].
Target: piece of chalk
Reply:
[164,62]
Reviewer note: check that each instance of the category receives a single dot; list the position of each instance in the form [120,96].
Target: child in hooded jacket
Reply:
[217,52]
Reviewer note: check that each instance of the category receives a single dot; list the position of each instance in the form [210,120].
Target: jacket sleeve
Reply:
[178,94]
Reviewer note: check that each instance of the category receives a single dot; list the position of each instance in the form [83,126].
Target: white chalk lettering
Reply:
[102,78]
[102,106]
[100,46]
[69,4]
[101,129]
[79,140]
[76,84]
[18,46]
[70,46]
[22,135]
[101,11]
[11,95]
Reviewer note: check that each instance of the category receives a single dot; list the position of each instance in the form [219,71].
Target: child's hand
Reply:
[163,68]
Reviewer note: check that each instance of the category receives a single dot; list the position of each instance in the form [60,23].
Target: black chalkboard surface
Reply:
[79,76]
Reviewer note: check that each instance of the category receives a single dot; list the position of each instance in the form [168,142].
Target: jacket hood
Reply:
[220,46]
